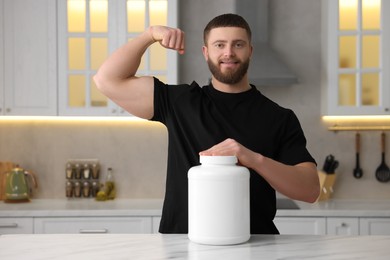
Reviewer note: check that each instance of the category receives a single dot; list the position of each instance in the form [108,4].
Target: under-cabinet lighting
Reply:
[72,119]
[374,118]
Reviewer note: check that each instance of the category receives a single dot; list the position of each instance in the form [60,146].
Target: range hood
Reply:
[266,68]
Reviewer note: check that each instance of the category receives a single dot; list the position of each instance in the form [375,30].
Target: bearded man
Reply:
[227,117]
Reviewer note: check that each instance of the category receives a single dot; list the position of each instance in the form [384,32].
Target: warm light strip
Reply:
[359,128]
[71,118]
[356,118]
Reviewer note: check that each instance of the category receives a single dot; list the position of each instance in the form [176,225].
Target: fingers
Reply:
[225,148]
[171,38]
[174,39]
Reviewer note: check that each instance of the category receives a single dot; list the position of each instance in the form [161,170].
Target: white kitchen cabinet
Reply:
[74,225]
[1,57]
[342,226]
[375,226]
[356,57]
[301,225]
[155,224]
[88,31]
[16,225]
[28,57]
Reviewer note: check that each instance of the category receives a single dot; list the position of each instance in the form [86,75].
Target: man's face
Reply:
[228,53]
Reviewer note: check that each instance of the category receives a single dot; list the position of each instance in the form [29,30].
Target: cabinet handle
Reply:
[93,231]
[10,225]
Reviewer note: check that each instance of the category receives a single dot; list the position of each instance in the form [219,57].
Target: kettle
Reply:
[18,186]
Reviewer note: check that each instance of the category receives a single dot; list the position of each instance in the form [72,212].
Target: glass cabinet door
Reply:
[356,54]
[359,53]
[89,30]
[358,67]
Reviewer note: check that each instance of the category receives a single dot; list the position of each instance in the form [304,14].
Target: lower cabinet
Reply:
[73,225]
[301,225]
[16,225]
[374,226]
[342,226]
[333,225]
[155,224]
[150,224]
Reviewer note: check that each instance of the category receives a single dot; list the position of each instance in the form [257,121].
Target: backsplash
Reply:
[136,151]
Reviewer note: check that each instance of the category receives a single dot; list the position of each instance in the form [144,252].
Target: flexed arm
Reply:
[116,77]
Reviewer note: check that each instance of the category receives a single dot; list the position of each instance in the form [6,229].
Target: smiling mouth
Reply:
[229,63]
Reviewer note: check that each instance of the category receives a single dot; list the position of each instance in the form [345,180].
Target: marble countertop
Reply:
[82,207]
[152,207]
[157,246]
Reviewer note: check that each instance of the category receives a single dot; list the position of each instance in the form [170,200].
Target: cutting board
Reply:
[4,167]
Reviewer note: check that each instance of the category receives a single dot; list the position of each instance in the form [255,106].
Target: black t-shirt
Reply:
[198,118]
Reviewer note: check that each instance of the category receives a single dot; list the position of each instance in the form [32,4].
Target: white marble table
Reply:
[157,246]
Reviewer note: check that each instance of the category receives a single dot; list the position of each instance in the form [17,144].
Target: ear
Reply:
[205,52]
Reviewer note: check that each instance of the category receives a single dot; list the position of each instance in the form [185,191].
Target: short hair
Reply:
[226,20]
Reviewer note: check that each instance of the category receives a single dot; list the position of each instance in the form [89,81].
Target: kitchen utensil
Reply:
[329,160]
[357,172]
[4,168]
[382,173]
[17,185]
[333,167]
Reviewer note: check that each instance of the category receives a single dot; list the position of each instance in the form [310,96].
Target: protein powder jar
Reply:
[218,201]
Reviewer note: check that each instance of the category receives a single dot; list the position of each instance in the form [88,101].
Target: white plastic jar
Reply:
[218,201]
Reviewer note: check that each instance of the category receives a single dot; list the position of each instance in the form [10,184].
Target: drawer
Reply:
[16,226]
[75,225]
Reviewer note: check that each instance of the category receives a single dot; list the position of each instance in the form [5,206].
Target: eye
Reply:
[239,45]
[219,45]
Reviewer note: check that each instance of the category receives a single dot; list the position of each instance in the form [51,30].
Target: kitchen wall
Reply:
[137,149]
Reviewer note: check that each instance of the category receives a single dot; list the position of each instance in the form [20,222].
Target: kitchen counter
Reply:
[156,246]
[82,207]
[152,207]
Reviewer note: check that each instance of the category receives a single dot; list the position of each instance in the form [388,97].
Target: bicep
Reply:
[135,95]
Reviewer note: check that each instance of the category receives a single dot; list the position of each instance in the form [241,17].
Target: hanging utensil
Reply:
[357,172]
[382,173]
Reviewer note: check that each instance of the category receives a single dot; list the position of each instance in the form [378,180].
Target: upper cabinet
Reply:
[1,58]
[89,30]
[356,57]
[28,65]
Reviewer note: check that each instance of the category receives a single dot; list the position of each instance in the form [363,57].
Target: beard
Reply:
[230,76]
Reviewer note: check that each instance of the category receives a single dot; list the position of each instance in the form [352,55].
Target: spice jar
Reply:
[218,201]
[69,171]
[86,171]
[86,189]
[77,172]
[77,189]
[69,189]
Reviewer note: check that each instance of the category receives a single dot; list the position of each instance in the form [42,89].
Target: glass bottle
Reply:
[107,190]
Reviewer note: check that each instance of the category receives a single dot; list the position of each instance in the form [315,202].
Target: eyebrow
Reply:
[225,41]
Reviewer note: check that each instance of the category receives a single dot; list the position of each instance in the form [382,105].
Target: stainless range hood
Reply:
[266,68]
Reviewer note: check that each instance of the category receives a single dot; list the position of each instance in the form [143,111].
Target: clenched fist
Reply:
[170,38]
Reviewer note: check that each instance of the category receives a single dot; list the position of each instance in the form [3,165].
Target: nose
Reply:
[229,51]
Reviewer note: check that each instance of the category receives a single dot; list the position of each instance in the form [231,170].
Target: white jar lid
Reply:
[218,159]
